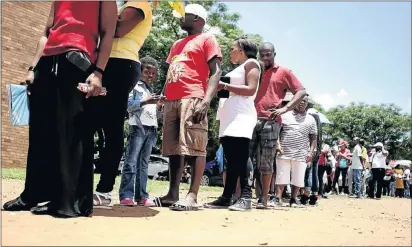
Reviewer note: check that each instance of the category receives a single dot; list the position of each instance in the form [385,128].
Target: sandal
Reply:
[102,200]
[159,204]
[184,205]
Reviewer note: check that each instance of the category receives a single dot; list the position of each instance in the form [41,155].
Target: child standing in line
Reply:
[144,111]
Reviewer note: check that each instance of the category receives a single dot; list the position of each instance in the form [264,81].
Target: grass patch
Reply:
[153,187]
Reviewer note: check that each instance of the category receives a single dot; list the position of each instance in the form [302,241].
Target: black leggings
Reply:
[336,178]
[321,171]
[236,150]
[399,193]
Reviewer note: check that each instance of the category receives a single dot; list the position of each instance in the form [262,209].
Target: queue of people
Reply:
[99,44]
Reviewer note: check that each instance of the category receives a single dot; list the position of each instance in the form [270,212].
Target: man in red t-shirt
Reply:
[276,82]
[192,79]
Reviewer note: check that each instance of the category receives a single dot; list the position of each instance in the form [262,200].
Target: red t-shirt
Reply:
[189,69]
[276,81]
[75,27]
[322,158]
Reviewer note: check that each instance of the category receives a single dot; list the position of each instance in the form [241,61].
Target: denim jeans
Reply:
[392,188]
[407,189]
[139,147]
[311,177]
[357,173]
[351,181]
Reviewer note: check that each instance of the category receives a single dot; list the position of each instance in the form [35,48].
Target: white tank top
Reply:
[237,114]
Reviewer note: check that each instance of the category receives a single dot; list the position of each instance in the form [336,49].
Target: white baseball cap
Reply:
[194,9]
[378,144]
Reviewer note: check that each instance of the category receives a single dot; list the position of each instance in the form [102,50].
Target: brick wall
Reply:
[21,26]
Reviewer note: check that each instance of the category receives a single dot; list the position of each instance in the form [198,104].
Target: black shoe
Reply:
[242,205]
[41,210]
[272,197]
[18,205]
[293,203]
[220,202]
[312,200]
[304,199]
[49,210]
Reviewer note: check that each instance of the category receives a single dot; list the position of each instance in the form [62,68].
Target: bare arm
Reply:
[215,73]
[252,78]
[127,20]
[108,18]
[43,38]
[313,142]
[296,99]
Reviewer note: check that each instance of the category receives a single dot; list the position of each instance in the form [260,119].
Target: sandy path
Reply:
[337,221]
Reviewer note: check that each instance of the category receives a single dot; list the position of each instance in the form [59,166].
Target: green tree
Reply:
[166,31]
[374,123]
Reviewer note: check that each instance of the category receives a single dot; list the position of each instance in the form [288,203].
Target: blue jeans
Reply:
[311,177]
[138,150]
[356,174]
[407,191]
[392,188]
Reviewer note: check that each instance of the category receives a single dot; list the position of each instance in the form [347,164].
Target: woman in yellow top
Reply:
[399,186]
[121,75]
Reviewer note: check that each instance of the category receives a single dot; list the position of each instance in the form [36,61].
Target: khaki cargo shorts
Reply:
[180,135]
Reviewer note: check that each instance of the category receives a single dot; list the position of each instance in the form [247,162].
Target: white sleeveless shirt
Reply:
[237,114]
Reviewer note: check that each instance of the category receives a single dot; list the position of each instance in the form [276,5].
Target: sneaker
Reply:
[233,200]
[276,202]
[127,202]
[220,202]
[304,199]
[146,202]
[293,203]
[313,199]
[342,194]
[102,199]
[325,196]
[242,205]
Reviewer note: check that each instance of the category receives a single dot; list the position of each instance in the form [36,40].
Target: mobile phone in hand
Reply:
[84,87]
[224,94]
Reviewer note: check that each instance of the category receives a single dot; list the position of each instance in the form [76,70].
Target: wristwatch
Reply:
[225,87]
[99,70]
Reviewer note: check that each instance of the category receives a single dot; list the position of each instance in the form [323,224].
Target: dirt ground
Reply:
[336,221]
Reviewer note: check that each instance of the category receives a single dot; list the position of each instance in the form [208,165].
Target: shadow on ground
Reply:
[125,211]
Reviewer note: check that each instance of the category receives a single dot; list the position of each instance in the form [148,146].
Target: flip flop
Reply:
[184,205]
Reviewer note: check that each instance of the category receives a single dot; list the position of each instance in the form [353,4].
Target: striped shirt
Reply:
[294,136]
